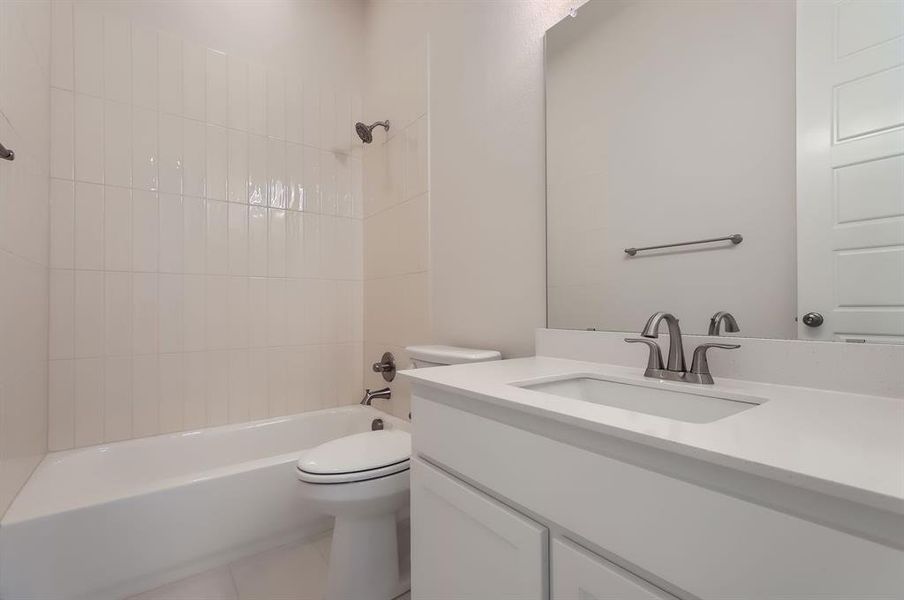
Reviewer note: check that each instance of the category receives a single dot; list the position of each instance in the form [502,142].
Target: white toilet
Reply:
[362,480]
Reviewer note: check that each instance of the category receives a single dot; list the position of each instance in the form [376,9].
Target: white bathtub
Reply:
[112,520]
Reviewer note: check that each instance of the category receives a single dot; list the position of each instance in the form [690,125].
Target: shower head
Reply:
[365,132]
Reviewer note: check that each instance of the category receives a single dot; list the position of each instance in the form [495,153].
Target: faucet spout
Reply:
[676,349]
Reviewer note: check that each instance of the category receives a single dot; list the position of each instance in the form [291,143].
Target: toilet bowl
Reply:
[362,481]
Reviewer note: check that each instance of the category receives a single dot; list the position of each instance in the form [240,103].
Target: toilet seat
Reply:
[358,457]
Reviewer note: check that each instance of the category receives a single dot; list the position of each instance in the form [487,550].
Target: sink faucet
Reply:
[675,369]
[676,349]
[370,396]
[731,324]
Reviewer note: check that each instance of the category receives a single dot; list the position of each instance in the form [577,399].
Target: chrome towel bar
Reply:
[6,154]
[734,238]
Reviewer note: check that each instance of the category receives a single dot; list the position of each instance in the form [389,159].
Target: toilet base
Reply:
[364,559]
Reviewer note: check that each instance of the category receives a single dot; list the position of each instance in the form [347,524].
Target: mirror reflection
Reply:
[736,156]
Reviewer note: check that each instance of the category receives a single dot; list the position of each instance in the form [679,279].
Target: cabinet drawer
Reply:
[578,574]
[467,546]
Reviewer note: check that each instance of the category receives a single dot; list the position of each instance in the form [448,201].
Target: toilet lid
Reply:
[370,454]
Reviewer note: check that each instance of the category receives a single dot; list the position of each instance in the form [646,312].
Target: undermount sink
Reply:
[658,398]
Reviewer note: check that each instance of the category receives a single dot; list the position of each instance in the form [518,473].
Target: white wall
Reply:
[672,121]
[24,128]
[206,232]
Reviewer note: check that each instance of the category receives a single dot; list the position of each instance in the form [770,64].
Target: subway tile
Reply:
[217,312]
[356,185]
[62,314]
[303,379]
[144,149]
[312,180]
[277,385]
[257,170]
[144,68]
[117,144]
[344,203]
[194,304]
[328,119]
[257,384]
[89,226]
[117,398]
[294,109]
[311,259]
[170,231]
[217,238]
[237,94]
[88,45]
[61,61]
[238,312]
[194,236]
[169,74]
[145,395]
[118,314]
[169,132]
[62,133]
[62,224]
[89,401]
[170,301]
[257,312]
[416,158]
[343,123]
[145,310]
[216,87]
[217,388]
[117,67]
[194,81]
[172,386]
[329,202]
[312,115]
[194,392]
[194,159]
[239,384]
[276,105]
[294,176]
[258,246]
[61,405]
[294,244]
[237,167]
[117,229]
[276,312]
[216,162]
[145,231]
[276,173]
[257,99]
[238,239]
[276,255]
[89,139]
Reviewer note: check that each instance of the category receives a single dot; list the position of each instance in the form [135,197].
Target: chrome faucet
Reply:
[731,324]
[675,369]
[370,396]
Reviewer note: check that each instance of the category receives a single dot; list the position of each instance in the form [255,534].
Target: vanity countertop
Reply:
[845,445]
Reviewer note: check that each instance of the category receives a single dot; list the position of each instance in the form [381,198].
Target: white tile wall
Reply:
[197,277]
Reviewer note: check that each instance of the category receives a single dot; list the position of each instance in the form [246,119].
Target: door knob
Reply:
[812,319]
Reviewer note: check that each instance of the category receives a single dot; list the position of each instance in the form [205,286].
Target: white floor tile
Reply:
[289,573]
[215,584]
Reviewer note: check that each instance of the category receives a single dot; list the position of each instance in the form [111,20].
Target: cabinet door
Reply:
[577,574]
[465,545]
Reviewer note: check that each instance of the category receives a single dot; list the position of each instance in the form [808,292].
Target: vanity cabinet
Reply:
[579,574]
[468,546]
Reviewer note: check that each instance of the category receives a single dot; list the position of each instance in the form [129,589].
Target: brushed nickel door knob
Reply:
[812,319]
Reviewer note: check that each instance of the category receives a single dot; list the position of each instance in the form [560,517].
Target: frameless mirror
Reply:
[728,156]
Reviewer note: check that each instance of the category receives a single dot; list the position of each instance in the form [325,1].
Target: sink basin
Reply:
[663,399]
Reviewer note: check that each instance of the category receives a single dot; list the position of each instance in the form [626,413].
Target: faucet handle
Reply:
[654,361]
[700,365]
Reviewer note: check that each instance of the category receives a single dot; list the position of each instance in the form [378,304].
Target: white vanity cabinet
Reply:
[468,546]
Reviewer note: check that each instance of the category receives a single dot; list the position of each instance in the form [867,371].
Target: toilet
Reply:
[362,481]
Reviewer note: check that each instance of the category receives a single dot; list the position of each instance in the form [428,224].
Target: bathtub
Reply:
[112,520]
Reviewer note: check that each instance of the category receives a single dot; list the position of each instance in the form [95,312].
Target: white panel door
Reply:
[850,169]
[579,575]
[467,546]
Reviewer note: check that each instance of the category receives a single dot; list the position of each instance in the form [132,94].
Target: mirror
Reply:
[775,129]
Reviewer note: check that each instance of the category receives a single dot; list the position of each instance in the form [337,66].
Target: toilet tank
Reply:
[435,356]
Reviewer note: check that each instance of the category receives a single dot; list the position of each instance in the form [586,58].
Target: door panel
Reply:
[465,545]
[850,198]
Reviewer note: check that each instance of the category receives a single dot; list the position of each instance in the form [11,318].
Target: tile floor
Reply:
[295,572]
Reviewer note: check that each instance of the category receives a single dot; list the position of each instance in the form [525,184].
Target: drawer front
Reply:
[709,544]
[467,546]
[578,574]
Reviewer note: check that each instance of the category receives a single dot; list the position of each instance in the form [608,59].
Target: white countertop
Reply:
[846,445]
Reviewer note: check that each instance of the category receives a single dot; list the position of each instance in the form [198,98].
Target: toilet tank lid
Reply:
[451,355]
